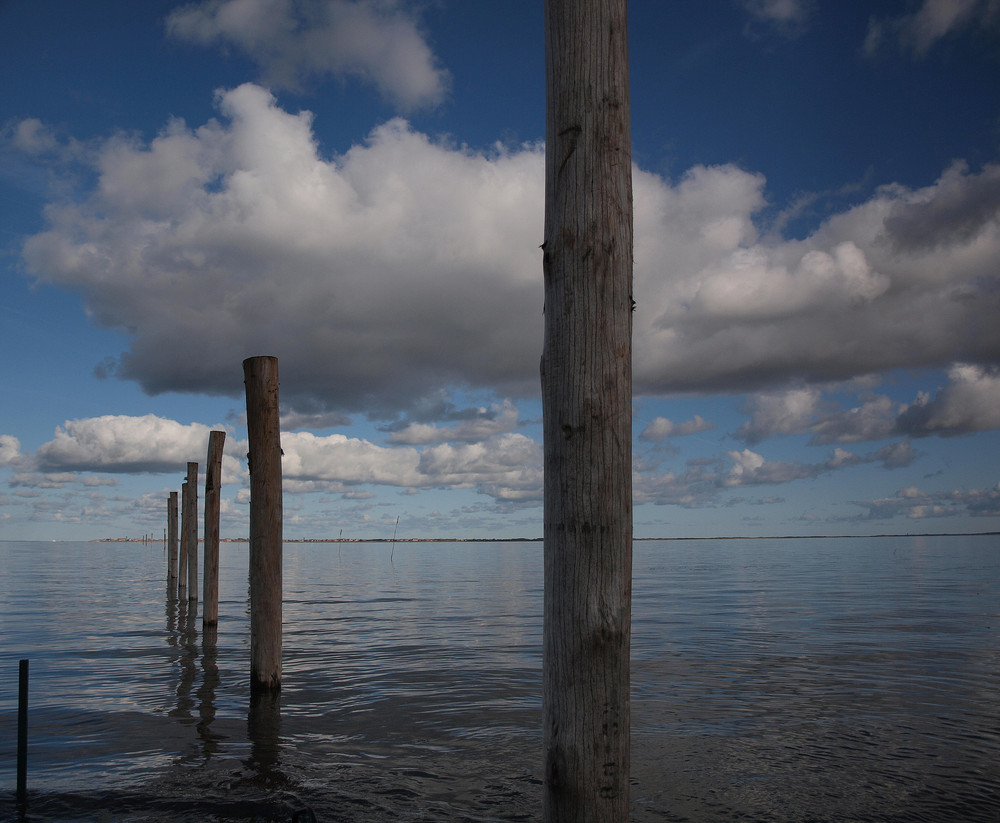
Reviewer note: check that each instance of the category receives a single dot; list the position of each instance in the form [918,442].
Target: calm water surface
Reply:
[788,680]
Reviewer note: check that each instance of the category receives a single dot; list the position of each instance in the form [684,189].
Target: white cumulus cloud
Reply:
[785,412]
[502,417]
[969,402]
[504,466]
[376,278]
[10,450]
[123,443]
[661,427]
[407,267]
[376,41]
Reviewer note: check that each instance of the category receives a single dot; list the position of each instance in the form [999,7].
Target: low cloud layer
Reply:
[710,482]
[500,419]
[968,402]
[915,504]
[504,467]
[375,41]
[408,267]
[661,428]
[124,444]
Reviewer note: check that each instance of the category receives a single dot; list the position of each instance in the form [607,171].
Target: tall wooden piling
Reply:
[192,490]
[182,565]
[264,462]
[172,545]
[586,376]
[213,486]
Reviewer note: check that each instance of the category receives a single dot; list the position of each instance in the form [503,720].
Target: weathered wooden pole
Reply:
[192,525]
[172,545]
[586,374]
[213,486]
[264,462]
[182,565]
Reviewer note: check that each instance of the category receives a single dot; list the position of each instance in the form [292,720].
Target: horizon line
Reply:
[151,539]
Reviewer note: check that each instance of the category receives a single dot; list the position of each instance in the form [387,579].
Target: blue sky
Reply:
[355,187]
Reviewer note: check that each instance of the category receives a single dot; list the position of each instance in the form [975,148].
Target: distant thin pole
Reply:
[22,732]
[264,460]
[213,487]
[192,491]
[393,552]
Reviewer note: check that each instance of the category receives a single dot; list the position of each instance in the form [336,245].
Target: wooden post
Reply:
[213,485]
[172,545]
[192,566]
[586,376]
[182,565]
[22,733]
[264,461]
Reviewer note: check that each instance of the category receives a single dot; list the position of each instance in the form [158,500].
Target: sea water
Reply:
[849,679]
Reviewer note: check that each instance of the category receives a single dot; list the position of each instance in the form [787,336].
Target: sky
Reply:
[356,188]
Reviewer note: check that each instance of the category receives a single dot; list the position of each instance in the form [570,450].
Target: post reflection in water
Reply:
[194,705]
[171,615]
[197,689]
[264,732]
[187,640]
[207,691]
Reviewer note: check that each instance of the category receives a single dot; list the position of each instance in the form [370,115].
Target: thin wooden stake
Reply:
[22,732]
[264,461]
[192,525]
[182,564]
[172,545]
[213,488]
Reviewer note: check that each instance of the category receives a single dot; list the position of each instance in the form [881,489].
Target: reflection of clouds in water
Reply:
[440,636]
[447,598]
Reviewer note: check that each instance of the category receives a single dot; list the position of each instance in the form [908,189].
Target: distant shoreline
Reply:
[540,539]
